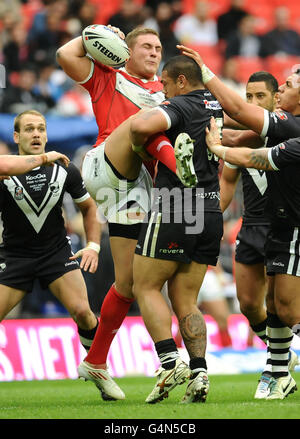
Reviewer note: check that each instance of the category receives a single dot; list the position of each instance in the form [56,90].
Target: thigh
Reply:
[251,280]
[70,290]
[9,298]
[122,250]
[150,273]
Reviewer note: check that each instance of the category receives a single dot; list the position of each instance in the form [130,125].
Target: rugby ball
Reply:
[104,45]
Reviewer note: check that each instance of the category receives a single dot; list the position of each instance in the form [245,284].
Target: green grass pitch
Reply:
[230,397]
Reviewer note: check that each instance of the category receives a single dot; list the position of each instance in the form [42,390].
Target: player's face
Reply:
[288,96]
[32,137]
[171,88]
[258,94]
[145,56]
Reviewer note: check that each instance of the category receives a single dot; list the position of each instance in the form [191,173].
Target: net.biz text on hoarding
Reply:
[50,349]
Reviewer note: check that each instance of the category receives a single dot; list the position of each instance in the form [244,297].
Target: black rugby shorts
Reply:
[20,272]
[169,241]
[283,251]
[250,244]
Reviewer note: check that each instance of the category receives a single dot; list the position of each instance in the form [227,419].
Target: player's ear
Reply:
[16,136]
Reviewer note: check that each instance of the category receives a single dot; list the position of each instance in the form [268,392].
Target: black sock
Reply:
[86,336]
[260,330]
[197,365]
[167,353]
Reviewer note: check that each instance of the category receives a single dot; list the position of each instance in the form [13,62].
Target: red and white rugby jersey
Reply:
[116,95]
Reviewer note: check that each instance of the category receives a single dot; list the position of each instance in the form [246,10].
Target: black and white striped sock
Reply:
[279,338]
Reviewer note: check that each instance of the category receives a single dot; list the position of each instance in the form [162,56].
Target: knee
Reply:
[82,314]
[289,315]
[124,285]
[249,304]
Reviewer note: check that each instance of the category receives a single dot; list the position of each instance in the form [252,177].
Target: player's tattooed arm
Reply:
[259,160]
[20,164]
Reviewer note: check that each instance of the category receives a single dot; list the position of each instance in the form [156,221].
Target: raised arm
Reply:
[73,60]
[20,164]
[252,116]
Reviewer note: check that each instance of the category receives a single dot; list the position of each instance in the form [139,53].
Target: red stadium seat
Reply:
[280,66]
[217,7]
[211,56]
[247,66]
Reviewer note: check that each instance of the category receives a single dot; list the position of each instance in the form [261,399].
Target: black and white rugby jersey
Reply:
[191,113]
[255,185]
[31,208]
[283,202]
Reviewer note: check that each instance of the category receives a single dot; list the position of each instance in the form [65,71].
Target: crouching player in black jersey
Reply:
[282,245]
[35,244]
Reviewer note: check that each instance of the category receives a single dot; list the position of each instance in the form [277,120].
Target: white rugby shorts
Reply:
[120,201]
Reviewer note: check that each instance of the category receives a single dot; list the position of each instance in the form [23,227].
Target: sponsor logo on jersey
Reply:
[278,147]
[212,105]
[172,248]
[281,115]
[277,114]
[71,263]
[35,177]
[173,245]
[19,195]
[278,264]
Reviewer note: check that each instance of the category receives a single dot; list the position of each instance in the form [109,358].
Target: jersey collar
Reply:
[155,78]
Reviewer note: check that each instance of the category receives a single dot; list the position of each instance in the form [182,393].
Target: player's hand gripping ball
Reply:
[105,45]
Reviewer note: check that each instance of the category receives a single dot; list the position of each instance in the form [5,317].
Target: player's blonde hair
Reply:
[132,36]
[17,121]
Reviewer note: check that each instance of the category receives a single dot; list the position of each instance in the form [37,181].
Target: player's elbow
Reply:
[61,56]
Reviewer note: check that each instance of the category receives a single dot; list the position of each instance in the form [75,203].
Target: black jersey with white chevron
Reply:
[280,126]
[255,187]
[191,113]
[282,207]
[31,208]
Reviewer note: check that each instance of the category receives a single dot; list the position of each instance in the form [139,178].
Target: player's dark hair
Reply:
[183,65]
[266,77]
[18,118]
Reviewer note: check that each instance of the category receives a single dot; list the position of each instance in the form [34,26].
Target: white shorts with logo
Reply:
[120,201]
